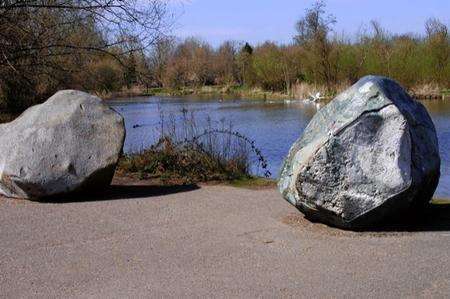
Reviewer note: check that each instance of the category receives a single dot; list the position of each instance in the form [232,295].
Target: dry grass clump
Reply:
[124,92]
[188,153]
[427,90]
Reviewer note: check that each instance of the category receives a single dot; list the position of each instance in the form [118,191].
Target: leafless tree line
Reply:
[106,45]
[44,44]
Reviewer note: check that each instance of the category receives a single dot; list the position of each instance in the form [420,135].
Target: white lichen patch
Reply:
[366,87]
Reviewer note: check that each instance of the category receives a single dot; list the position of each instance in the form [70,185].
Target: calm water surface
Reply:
[274,125]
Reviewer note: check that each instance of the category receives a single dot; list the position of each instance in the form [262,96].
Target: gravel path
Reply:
[214,241]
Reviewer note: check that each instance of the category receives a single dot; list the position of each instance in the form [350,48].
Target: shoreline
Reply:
[222,92]
[218,90]
[225,92]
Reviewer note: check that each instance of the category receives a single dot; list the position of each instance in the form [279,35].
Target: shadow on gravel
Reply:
[433,218]
[120,192]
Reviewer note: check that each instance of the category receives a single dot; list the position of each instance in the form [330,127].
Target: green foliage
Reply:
[268,66]
[440,201]
[246,76]
[247,49]
[253,183]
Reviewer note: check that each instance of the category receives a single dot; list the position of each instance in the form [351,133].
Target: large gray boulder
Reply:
[370,154]
[71,142]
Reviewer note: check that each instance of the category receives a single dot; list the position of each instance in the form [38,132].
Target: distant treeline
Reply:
[316,56]
[50,47]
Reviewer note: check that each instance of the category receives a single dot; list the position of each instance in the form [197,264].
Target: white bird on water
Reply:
[315,97]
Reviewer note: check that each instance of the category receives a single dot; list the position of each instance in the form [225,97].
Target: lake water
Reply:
[274,125]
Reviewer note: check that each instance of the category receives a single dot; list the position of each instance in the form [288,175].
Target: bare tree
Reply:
[438,49]
[225,63]
[48,39]
[313,31]
[159,58]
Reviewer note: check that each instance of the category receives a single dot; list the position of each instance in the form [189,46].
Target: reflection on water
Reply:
[274,125]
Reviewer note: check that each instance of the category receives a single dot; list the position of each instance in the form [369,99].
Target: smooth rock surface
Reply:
[69,143]
[371,153]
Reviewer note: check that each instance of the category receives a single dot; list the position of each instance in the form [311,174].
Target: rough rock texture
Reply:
[69,143]
[371,153]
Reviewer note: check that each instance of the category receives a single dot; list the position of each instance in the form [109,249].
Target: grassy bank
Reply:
[224,91]
[440,201]
[298,91]
[253,183]
[215,90]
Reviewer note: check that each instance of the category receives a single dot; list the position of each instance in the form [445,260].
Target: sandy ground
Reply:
[211,241]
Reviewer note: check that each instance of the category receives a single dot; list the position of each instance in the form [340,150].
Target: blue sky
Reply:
[258,21]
